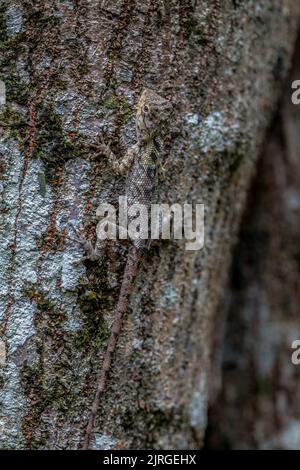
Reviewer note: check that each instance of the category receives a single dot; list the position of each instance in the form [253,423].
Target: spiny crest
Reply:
[152,112]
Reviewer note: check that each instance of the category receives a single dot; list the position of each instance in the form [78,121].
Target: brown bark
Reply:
[74,71]
[258,407]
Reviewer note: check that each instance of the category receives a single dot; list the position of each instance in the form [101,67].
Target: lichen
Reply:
[42,381]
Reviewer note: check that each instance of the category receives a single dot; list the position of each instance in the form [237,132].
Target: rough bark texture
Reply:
[73,71]
[258,407]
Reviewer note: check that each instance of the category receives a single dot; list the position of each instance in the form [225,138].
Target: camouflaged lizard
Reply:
[144,159]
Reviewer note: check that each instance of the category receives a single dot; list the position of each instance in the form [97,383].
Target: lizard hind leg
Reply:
[92,253]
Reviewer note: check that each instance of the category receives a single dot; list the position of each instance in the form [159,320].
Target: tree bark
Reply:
[258,407]
[74,71]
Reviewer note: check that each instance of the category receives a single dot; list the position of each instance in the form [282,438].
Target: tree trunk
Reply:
[258,407]
[73,72]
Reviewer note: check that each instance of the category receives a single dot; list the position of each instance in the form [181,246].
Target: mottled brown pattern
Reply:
[152,114]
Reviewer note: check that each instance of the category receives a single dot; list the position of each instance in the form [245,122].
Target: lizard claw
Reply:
[163,172]
[78,232]
[86,243]
[102,147]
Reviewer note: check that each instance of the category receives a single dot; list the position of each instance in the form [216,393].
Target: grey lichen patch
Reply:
[54,384]
[199,404]
[217,133]
[287,439]
[76,187]
[18,268]
[103,442]
[218,136]
[169,296]
[68,104]
[13,406]
[192,118]
[14,19]
[32,312]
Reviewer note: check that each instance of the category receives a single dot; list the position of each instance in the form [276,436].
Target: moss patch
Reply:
[13,122]
[51,144]
[51,382]
[120,106]
[94,329]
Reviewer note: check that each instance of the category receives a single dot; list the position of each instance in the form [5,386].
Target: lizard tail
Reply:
[126,289]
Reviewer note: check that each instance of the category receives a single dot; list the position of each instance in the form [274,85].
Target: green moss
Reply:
[195,32]
[32,383]
[199,37]
[77,53]
[10,117]
[92,333]
[120,106]
[87,297]
[30,378]
[83,68]
[45,393]
[43,382]
[3,34]
[48,317]
[155,419]
[11,48]
[12,44]
[41,19]
[51,144]
[13,122]
[9,447]
[236,158]
[45,305]
[41,302]
[94,329]
[265,386]
[16,90]
[42,183]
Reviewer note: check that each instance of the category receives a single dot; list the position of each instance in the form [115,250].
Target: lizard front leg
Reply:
[123,166]
[92,253]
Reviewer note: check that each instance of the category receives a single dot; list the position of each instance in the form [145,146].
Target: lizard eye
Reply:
[146,109]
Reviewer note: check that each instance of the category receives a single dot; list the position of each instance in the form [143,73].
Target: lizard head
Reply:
[153,112]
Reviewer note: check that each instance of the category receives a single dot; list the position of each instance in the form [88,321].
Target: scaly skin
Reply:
[144,158]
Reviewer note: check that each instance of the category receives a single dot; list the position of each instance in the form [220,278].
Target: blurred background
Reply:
[258,407]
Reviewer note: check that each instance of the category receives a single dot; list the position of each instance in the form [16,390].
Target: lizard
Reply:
[143,161]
